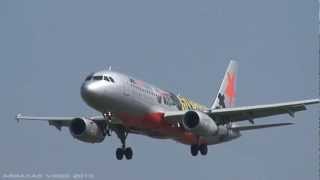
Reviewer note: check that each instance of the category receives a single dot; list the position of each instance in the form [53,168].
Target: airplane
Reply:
[132,106]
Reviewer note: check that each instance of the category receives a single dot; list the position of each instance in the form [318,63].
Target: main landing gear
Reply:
[123,151]
[122,134]
[195,148]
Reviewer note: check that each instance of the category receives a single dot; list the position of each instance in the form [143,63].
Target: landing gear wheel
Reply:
[203,148]
[128,153]
[194,149]
[119,153]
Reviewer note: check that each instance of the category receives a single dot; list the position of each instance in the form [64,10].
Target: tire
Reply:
[128,153]
[119,154]
[194,150]
[203,149]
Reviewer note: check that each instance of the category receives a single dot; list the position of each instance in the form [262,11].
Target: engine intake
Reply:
[199,123]
[86,130]
[78,126]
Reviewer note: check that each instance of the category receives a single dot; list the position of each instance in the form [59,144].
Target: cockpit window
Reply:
[106,78]
[88,78]
[97,77]
[111,79]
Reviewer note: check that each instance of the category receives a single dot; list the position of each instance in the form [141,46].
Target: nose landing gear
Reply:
[106,128]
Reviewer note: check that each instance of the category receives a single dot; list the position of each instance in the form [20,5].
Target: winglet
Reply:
[18,117]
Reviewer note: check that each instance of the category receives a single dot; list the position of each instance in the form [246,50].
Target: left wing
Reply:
[227,115]
[261,126]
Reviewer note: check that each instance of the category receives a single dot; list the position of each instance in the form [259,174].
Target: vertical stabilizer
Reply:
[227,93]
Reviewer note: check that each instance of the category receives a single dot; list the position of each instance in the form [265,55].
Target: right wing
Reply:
[57,122]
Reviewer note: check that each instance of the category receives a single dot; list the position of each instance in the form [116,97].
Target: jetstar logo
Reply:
[230,88]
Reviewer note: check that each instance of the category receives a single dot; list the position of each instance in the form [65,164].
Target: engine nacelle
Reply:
[199,123]
[223,131]
[86,130]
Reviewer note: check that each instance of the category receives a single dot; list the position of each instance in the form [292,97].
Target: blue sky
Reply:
[48,47]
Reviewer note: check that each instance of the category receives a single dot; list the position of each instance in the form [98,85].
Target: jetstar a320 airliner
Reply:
[128,105]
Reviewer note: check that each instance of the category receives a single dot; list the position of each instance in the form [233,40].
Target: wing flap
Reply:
[254,127]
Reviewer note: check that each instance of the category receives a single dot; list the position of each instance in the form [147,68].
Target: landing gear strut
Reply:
[123,151]
[106,129]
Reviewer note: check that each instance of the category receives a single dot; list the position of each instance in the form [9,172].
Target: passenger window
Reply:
[132,81]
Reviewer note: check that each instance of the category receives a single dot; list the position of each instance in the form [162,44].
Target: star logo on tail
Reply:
[230,88]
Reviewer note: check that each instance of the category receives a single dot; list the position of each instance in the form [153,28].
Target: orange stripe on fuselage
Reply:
[154,122]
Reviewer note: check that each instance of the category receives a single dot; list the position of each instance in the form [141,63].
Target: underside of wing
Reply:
[57,122]
[87,129]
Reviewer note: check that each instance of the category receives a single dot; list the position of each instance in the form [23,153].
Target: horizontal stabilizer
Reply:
[253,127]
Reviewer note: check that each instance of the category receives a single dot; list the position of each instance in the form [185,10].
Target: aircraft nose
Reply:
[90,91]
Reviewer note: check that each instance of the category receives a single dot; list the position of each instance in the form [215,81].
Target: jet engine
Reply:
[86,130]
[199,123]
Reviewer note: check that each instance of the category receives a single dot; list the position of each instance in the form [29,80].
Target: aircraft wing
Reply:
[251,112]
[57,122]
[227,115]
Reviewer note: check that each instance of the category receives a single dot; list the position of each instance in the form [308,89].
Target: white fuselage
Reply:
[140,106]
